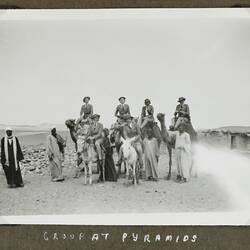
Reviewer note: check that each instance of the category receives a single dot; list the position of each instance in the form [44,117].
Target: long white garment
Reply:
[6,142]
[183,154]
[151,152]
[52,149]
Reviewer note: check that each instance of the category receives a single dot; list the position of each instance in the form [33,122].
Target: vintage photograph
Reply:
[124,111]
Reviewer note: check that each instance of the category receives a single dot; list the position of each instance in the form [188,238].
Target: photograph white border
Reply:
[211,218]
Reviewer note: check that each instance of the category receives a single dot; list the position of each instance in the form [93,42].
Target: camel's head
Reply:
[70,123]
[161,117]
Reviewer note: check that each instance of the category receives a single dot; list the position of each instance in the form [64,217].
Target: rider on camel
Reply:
[182,113]
[86,111]
[122,110]
[132,130]
[147,114]
[96,130]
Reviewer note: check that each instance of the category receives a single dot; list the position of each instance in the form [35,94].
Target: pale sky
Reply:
[47,67]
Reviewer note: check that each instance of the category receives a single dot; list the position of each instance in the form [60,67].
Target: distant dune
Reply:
[34,137]
[231,129]
[39,127]
[236,129]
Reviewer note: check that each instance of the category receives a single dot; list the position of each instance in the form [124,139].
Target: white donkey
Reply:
[130,157]
[86,152]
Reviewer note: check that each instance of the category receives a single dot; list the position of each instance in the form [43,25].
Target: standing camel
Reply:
[166,138]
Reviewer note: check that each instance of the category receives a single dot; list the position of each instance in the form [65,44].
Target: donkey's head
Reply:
[127,147]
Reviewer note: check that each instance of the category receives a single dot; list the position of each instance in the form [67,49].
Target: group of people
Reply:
[140,129]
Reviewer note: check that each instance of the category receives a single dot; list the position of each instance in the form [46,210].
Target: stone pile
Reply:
[35,160]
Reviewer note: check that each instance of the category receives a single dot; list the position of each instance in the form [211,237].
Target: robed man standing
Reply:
[11,155]
[55,155]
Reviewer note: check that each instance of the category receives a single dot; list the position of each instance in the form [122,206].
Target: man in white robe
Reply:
[183,154]
[54,155]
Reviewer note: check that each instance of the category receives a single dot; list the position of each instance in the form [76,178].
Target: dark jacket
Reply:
[122,110]
[147,111]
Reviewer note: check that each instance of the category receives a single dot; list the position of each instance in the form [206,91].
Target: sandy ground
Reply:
[41,196]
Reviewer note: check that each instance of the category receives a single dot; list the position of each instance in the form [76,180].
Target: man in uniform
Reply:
[147,114]
[86,109]
[182,113]
[85,113]
[122,110]
[132,130]
[96,135]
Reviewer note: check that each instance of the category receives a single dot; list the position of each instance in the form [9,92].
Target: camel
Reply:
[165,138]
[86,153]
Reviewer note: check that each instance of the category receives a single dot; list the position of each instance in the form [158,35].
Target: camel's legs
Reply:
[119,170]
[127,169]
[170,163]
[77,167]
[134,174]
[90,172]
[85,173]
[137,173]
[103,168]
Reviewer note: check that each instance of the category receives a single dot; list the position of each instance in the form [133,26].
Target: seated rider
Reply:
[96,129]
[86,111]
[83,132]
[147,114]
[132,130]
[182,113]
[122,110]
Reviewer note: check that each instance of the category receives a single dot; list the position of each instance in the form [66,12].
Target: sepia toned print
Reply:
[114,113]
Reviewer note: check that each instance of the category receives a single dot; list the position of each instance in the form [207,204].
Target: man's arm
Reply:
[176,110]
[3,158]
[188,110]
[91,110]
[128,110]
[20,156]
[48,147]
[99,134]
[81,111]
[142,113]
[116,111]
[152,111]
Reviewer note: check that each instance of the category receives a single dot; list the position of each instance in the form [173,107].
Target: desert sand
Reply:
[41,196]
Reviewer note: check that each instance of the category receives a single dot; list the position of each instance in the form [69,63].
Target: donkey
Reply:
[131,158]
